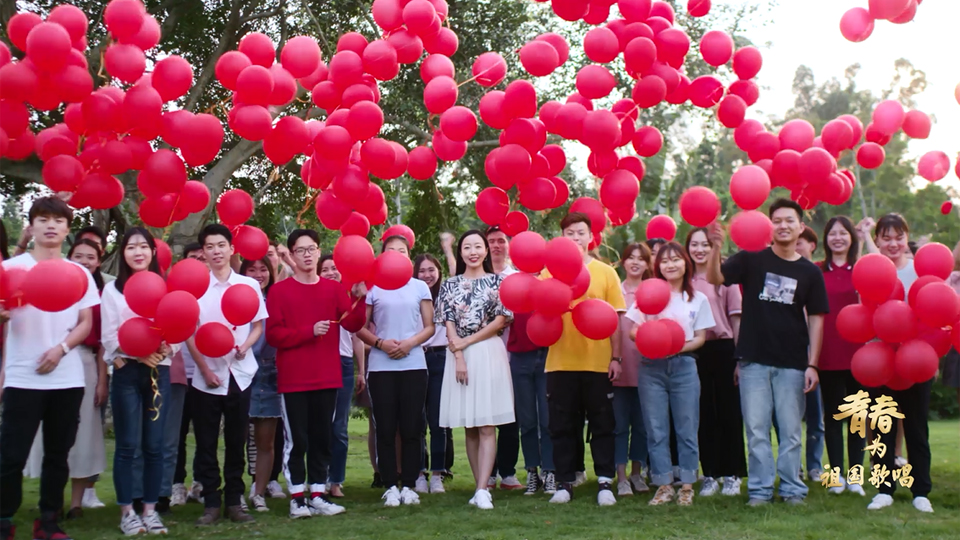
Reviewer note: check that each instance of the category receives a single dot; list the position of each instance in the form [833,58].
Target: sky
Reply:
[807,32]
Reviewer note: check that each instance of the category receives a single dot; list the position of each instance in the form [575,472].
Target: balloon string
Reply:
[471,79]
[347,313]
[311,198]
[157,398]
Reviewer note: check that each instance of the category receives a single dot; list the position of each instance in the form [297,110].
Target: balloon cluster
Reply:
[235,207]
[44,286]
[914,330]
[657,337]
[357,263]
[857,23]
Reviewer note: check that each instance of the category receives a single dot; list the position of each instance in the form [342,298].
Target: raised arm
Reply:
[716,237]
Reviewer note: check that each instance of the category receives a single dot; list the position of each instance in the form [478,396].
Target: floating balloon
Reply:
[934,165]
[856,25]
[934,259]
[177,315]
[595,319]
[189,275]
[544,330]
[872,364]
[652,296]
[699,206]
[750,187]
[143,292]
[751,230]
[517,292]
[214,340]
[855,323]
[870,155]
[53,285]
[661,226]
[392,270]
[916,361]
[563,259]
[527,251]
[138,337]
[895,322]
[654,340]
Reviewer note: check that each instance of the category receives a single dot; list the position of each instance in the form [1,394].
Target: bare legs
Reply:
[78,485]
[264,433]
[481,452]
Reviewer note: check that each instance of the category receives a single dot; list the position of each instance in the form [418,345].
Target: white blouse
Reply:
[114,311]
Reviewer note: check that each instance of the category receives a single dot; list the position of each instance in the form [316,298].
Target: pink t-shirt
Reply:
[628,349]
[724,303]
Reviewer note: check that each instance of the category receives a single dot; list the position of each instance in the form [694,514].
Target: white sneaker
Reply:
[510,483]
[152,523]
[322,507]
[562,496]
[900,462]
[856,488]
[880,500]
[408,496]
[275,490]
[391,497]
[639,485]
[580,479]
[196,492]
[243,504]
[421,485]
[731,486]
[550,483]
[922,504]
[259,503]
[605,498]
[814,475]
[90,499]
[492,483]
[482,500]
[178,495]
[624,489]
[709,488]
[436,484]
[297,511]
[836,490]
[131,524]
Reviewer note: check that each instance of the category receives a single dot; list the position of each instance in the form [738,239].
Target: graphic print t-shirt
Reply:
[773,329]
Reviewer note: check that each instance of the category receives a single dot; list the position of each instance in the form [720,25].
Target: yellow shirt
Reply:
[574,351]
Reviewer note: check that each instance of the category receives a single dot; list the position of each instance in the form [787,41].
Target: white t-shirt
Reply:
[346,343]
[114,311]
[692,315]
[907,275]
[396,315]
[210,311]
[439,338]
[31,333]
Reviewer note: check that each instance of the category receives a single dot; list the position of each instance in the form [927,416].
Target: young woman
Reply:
[265,408]
[477,391]
[671,385]
[140,387]
[426,268]
[841,248]
[636,263]
[721,420]
[890,237]
[350,347]
[398,377]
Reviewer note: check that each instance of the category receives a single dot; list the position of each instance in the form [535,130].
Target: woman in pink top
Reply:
[721,420]
[636,263]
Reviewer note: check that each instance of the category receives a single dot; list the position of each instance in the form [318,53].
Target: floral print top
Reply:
[470,304]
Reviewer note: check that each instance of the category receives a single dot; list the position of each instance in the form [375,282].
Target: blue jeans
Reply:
[338,462]
[629,417]
[439,436]
[171,437]
[136,426]
[530,403]
[672,382]
[765,391]
[813,417]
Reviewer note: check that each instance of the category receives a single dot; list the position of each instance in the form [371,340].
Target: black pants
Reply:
[189,405]
[310,419]
[508,450]
[278,443]
[834,386]
[234,409]
[397,401]
[721,420]
[571,395]
[914,403]
[23,410]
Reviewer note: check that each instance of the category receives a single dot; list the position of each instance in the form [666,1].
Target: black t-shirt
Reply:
[773,329]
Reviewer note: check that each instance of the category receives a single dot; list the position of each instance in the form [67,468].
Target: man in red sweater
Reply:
[304,314]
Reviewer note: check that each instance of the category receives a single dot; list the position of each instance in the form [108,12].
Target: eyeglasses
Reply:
[300,252]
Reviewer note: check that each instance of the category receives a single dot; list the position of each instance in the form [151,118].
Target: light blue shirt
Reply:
[396,315]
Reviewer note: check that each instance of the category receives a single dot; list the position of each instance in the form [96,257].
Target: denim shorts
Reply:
[264,399]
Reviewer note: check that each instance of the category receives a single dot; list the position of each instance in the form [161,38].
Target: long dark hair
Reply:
[4,253]
[418,261]
[247,263]
[854,250]
[97,276]
[461,264]
[674,247]
[644,254]
[125,271]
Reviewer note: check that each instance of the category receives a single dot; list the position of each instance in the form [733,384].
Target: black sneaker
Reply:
[377,482]
[138,506]
[47,529]
[75,513]
[163,506]
[533,482]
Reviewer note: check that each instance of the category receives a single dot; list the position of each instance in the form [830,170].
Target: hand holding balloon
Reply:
[152,360]
[716,235]
[321,328]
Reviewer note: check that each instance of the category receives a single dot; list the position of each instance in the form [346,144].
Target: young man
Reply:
[813,417]
[305,315]
[222,389]
[579,375]
[42,379]
[784,301]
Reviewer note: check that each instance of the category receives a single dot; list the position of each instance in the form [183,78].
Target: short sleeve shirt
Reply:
[396,315]
[692,314]
[470,304]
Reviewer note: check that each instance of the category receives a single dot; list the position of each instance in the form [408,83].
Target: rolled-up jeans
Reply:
[765,391]
[671,386]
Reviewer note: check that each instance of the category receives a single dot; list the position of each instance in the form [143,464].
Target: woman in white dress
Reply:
[477,392]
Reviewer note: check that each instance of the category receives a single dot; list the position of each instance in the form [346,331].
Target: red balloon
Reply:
[11,283]
[489,69]
[538,194]
[650,91]
[732,111]
[934,165]
[172,77]
[446,149]
[934,259]
[563,259]
[63,173]
[947,206]
[837,136]
[749,187]
[125,62]
[595,319]
[48,46]
[408,45]
[716,47]
[552,297]
[235,207]
[661,226]
[888,116]
[887,9]
[751,230]
[214,340]
[52,285]
[240,304]
[648,141]
[300,56]
[855,323]
[595,82]
[601,45]
[874,135]
[619,189]
[856,24]
[601,133]
[388,14]
[652,296]
[797,135]
[539,58]
[138,337]
[354,258]
[458,124]
[492,205]
[872,364]
[916,361]
[747,62]
[937,305]
[544,330]
[938,338]
[440,94]
[582,284]
[164,256]
[436,65]
[422,163]
[654,340]
[189,275]
[895,322]
[331,211]
[143,292]
[251,242]
[870,155]
[920,283]
[527,251]
[177,316]
[357,224]
[816,166]
[640,54]
[916,125]
[698,8]
[516,222]
[699,206]
[706,91]
[875,277]
[229,66]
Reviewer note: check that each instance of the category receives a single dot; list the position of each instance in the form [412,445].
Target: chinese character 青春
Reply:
[856,409]
[880,413]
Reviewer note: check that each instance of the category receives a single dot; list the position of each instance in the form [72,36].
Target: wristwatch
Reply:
[65,347]
[617,359]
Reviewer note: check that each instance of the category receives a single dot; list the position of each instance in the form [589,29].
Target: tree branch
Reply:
[263,14]
[29,170]
[227,38]
[313,18]
[480,144]
[409,127]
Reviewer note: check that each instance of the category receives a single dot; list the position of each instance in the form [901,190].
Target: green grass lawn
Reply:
[518,516]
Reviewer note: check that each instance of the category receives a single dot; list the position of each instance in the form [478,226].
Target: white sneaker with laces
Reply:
[421,485]
[605,498]
[243,504]
[856,488]
[837,490]
[391,497]
[297,511]
[624,489]
[709,488]
[900,462]
[562,496]
[196,492]
[550,483]
[492,483]
[880,500]
[275,490]
[152,523]
[731,486]
[482,500]
[259,503]
[90,499]
[922,504]
[322,507]
[580,479]
[408,496]
[178,495]
[131,524]
[436,484]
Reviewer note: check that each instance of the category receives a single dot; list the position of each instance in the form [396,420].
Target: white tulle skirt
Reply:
[487,398]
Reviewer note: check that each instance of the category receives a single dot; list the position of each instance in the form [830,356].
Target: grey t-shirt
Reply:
[907,275]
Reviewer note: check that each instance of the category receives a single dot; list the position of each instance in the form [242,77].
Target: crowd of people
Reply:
[761,350]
